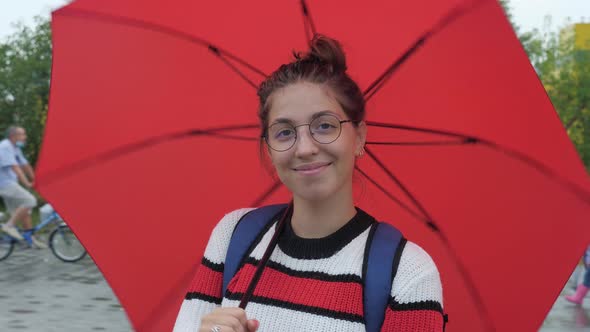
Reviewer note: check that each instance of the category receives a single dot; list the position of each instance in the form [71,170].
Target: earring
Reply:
[361,152]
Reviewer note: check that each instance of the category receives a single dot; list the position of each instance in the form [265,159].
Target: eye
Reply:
[326,125]
[283,134]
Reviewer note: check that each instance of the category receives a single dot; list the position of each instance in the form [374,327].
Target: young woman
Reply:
[311,114]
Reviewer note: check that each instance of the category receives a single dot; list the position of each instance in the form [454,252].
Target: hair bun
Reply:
[328,51]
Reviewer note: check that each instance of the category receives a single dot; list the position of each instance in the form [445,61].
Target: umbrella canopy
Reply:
[152,136]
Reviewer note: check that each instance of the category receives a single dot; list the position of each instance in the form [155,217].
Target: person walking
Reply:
[582,289]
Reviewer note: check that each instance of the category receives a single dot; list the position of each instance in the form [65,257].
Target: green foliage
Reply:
[565,73]
[508,12]
[25,69]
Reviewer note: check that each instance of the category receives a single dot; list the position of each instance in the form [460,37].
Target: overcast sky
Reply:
[12,11]
[528,14]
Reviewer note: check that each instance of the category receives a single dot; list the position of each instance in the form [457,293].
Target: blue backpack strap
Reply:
[248,228]
[380,270]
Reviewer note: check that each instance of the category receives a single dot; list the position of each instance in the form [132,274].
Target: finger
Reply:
[253,325]
[227,323]
[215,328]
[238,313]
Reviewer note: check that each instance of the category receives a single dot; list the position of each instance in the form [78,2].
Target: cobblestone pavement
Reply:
[38,292]
[565,316]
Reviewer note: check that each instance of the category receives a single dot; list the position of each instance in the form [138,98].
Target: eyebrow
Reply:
[313,117]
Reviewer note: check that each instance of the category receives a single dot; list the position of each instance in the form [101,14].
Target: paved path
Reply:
[565,316]
[38,292]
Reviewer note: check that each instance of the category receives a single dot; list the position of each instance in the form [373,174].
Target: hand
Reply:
[228,320]
[28,184]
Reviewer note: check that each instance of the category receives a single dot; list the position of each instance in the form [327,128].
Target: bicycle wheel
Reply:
[6,246]
[65,245]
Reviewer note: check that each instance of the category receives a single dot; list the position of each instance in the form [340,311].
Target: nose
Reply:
[305,145]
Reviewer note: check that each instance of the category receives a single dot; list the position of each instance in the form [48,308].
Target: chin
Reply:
[312,196]
[314,193]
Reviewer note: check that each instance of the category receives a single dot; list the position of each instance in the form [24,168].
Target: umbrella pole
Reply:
[261,265]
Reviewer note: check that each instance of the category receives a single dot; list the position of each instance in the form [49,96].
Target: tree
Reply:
[25,69]
[565,74]
[525,38]
[508,12]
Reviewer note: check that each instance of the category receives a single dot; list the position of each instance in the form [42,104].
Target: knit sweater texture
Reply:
[313,284]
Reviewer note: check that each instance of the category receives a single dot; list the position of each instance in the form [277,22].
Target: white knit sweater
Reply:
[314,284]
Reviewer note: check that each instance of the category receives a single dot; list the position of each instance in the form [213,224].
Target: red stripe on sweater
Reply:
[412,321]
[207,281]
[346,297]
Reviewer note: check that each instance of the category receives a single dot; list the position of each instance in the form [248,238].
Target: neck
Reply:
[318,219]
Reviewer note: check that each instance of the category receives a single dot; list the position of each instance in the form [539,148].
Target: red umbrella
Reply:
[152,136]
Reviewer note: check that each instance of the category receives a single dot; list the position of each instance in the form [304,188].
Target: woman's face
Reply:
[314,171]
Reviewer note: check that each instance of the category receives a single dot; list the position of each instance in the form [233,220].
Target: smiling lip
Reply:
[313,168]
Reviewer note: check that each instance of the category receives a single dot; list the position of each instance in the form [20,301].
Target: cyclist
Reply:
[15,168]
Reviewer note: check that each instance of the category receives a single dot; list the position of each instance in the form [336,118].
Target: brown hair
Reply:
[325,64]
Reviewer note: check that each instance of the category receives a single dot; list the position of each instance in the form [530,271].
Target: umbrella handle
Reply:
[262,264]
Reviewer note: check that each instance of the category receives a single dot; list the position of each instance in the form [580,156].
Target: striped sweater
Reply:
[313,284]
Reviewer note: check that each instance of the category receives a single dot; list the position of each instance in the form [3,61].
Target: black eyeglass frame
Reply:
[265,136]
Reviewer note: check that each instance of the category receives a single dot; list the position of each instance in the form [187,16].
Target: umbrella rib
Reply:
[577,190]
[459,139]
[470,284]
[235,69]
[392,197]
[463,138]
[234,137]
[451,16]
[428,220]
[433,226]
[425,143]
[380,81]
[308,24]
[117,152]
[141,24]
[274,187]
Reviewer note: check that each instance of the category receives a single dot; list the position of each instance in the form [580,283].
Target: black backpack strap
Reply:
[246,231]
[385,247]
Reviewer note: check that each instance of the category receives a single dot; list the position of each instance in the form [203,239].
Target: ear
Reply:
[361,137]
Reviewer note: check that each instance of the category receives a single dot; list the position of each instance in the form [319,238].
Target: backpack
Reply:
[384,244]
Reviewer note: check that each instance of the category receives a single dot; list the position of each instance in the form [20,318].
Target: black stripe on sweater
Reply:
[203,297]
[299,307]
[307,274]
[422,305]
[217,267]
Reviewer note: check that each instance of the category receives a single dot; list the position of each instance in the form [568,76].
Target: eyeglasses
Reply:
[324,129]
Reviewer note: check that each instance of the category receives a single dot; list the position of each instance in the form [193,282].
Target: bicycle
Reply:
[62,241]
